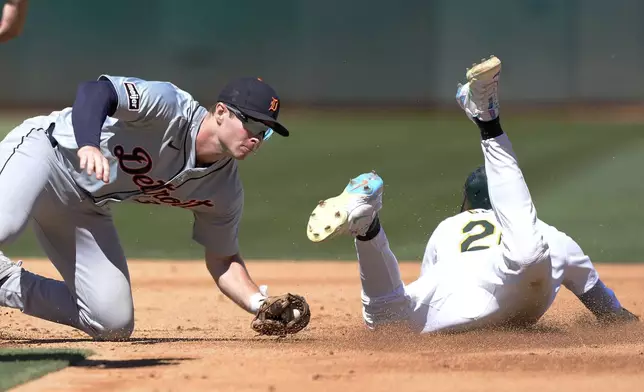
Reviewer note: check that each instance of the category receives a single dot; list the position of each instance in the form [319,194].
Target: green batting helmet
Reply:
[475,190]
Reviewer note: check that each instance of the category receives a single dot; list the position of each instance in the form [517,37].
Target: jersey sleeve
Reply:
[141,100]
[579,274]
[218,231]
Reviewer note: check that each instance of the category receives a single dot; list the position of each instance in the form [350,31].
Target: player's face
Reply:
[242,135]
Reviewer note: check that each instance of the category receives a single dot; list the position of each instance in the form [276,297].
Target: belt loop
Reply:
[49,132]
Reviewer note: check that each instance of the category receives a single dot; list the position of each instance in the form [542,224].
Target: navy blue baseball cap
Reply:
[255,99]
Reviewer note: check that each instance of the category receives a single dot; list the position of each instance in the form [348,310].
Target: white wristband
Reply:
[256,301]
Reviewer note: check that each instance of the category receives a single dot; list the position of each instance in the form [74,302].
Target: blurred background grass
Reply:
[380,63]
[585,178]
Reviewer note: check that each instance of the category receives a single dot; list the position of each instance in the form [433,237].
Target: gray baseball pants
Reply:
[78,237]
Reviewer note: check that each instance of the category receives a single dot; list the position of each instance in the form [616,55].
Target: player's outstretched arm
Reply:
[14,14]
[274,315]
[232,278]
[581,277]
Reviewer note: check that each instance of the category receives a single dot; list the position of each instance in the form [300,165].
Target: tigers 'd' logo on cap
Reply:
[274,104]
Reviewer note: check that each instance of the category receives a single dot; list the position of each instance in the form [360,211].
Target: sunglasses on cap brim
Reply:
[256,128]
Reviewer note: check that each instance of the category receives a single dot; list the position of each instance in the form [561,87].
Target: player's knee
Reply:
[121,332]
[111,317]
[10,229]
[115,326]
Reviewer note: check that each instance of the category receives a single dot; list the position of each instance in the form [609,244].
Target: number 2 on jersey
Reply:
[482,238]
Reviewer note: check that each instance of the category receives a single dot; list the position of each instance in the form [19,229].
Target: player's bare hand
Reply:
[93,161]
[12,19]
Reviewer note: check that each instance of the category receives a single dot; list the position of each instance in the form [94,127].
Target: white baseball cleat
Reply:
[479,97]
[351,212]
[8,267]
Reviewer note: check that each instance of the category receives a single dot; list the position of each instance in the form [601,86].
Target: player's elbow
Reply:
[218,265]
[527,253]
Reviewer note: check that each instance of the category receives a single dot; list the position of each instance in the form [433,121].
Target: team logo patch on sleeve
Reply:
[133,97]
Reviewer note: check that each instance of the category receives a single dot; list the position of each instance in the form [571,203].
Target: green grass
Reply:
[18,366]
[585,179]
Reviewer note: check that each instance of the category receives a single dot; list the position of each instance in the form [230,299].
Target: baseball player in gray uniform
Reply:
[127,139]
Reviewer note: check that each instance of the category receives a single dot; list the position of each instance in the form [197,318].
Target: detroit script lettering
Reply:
[138,164]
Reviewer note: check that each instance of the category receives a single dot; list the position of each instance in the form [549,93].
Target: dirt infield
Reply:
[189,337]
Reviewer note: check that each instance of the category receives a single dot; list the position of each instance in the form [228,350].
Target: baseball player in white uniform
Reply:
[495,264]
[127,139]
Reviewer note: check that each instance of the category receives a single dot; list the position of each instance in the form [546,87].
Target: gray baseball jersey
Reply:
[149,143]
